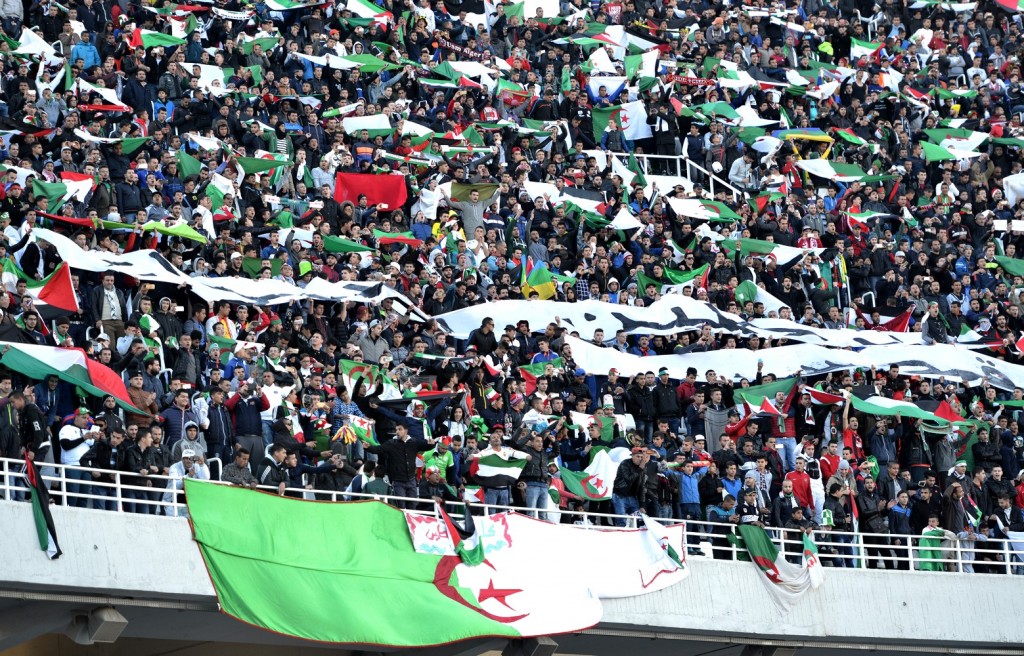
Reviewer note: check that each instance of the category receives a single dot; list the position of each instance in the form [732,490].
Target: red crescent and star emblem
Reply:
[443,581]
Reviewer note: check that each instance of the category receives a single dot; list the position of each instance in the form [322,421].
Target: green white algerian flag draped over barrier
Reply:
[407,563]
[786,582]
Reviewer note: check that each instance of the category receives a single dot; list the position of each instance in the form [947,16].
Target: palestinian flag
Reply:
[70,365]
[511,94]
[150,39]
[1013,6]
[444,600]
[532,372]
[786,583]
[52,296]
[849,136]
[754,394]
[367,9]
[389,238]
[954,94]
[387,192]
[761,202]
[465,540]
[473,494]
[819,397]
[45,530]
[494,471]
[867,403]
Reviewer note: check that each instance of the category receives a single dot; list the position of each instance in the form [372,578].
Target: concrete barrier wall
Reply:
[141,556]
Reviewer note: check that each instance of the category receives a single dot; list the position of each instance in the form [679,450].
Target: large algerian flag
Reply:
[595,482]
[52,296]
[259,581]
[70,365]
[838,171]
[860,49]
[631,117]
[934,153]
[786,583]
[371,375]
[150,39]
[495,471]
[72,185]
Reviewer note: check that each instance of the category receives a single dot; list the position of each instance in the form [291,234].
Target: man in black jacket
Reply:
[630,488]
[106,456]
[666,401]
[400,457]
[271,471]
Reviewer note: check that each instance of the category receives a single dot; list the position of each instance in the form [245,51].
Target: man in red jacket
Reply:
[801,483]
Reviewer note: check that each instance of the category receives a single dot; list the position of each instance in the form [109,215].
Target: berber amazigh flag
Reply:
[45,530]
[385,191]
[785,582]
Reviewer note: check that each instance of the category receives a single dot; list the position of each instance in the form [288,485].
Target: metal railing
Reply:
[689,169]
[705,538]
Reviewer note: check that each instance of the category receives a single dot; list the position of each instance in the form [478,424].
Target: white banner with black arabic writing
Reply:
[937,361]
[671,314]
[151,266]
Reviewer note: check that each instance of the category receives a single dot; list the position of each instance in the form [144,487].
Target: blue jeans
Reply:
[75,489]
[110,503]
[268,434]
[405,489]
[624,506]
[136,501]
[496,496]
[690,513]
[646,429]
[536,495]
[789,451]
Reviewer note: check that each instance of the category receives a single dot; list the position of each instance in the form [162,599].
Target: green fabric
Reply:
[252,543]
[180,230]
[258,164]
[187,165]
[1010,265]
[755,393]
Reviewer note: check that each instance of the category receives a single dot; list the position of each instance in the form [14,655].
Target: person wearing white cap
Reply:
[191,465]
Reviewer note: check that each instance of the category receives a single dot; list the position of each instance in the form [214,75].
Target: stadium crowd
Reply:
[773,101]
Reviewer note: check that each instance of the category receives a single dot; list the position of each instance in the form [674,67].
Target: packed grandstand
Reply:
[745,264]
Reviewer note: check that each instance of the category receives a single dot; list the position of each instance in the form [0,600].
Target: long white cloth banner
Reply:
[947,361]
[151,266]
[671,314]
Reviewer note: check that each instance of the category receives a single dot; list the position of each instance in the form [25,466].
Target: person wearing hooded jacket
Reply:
[192,440]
